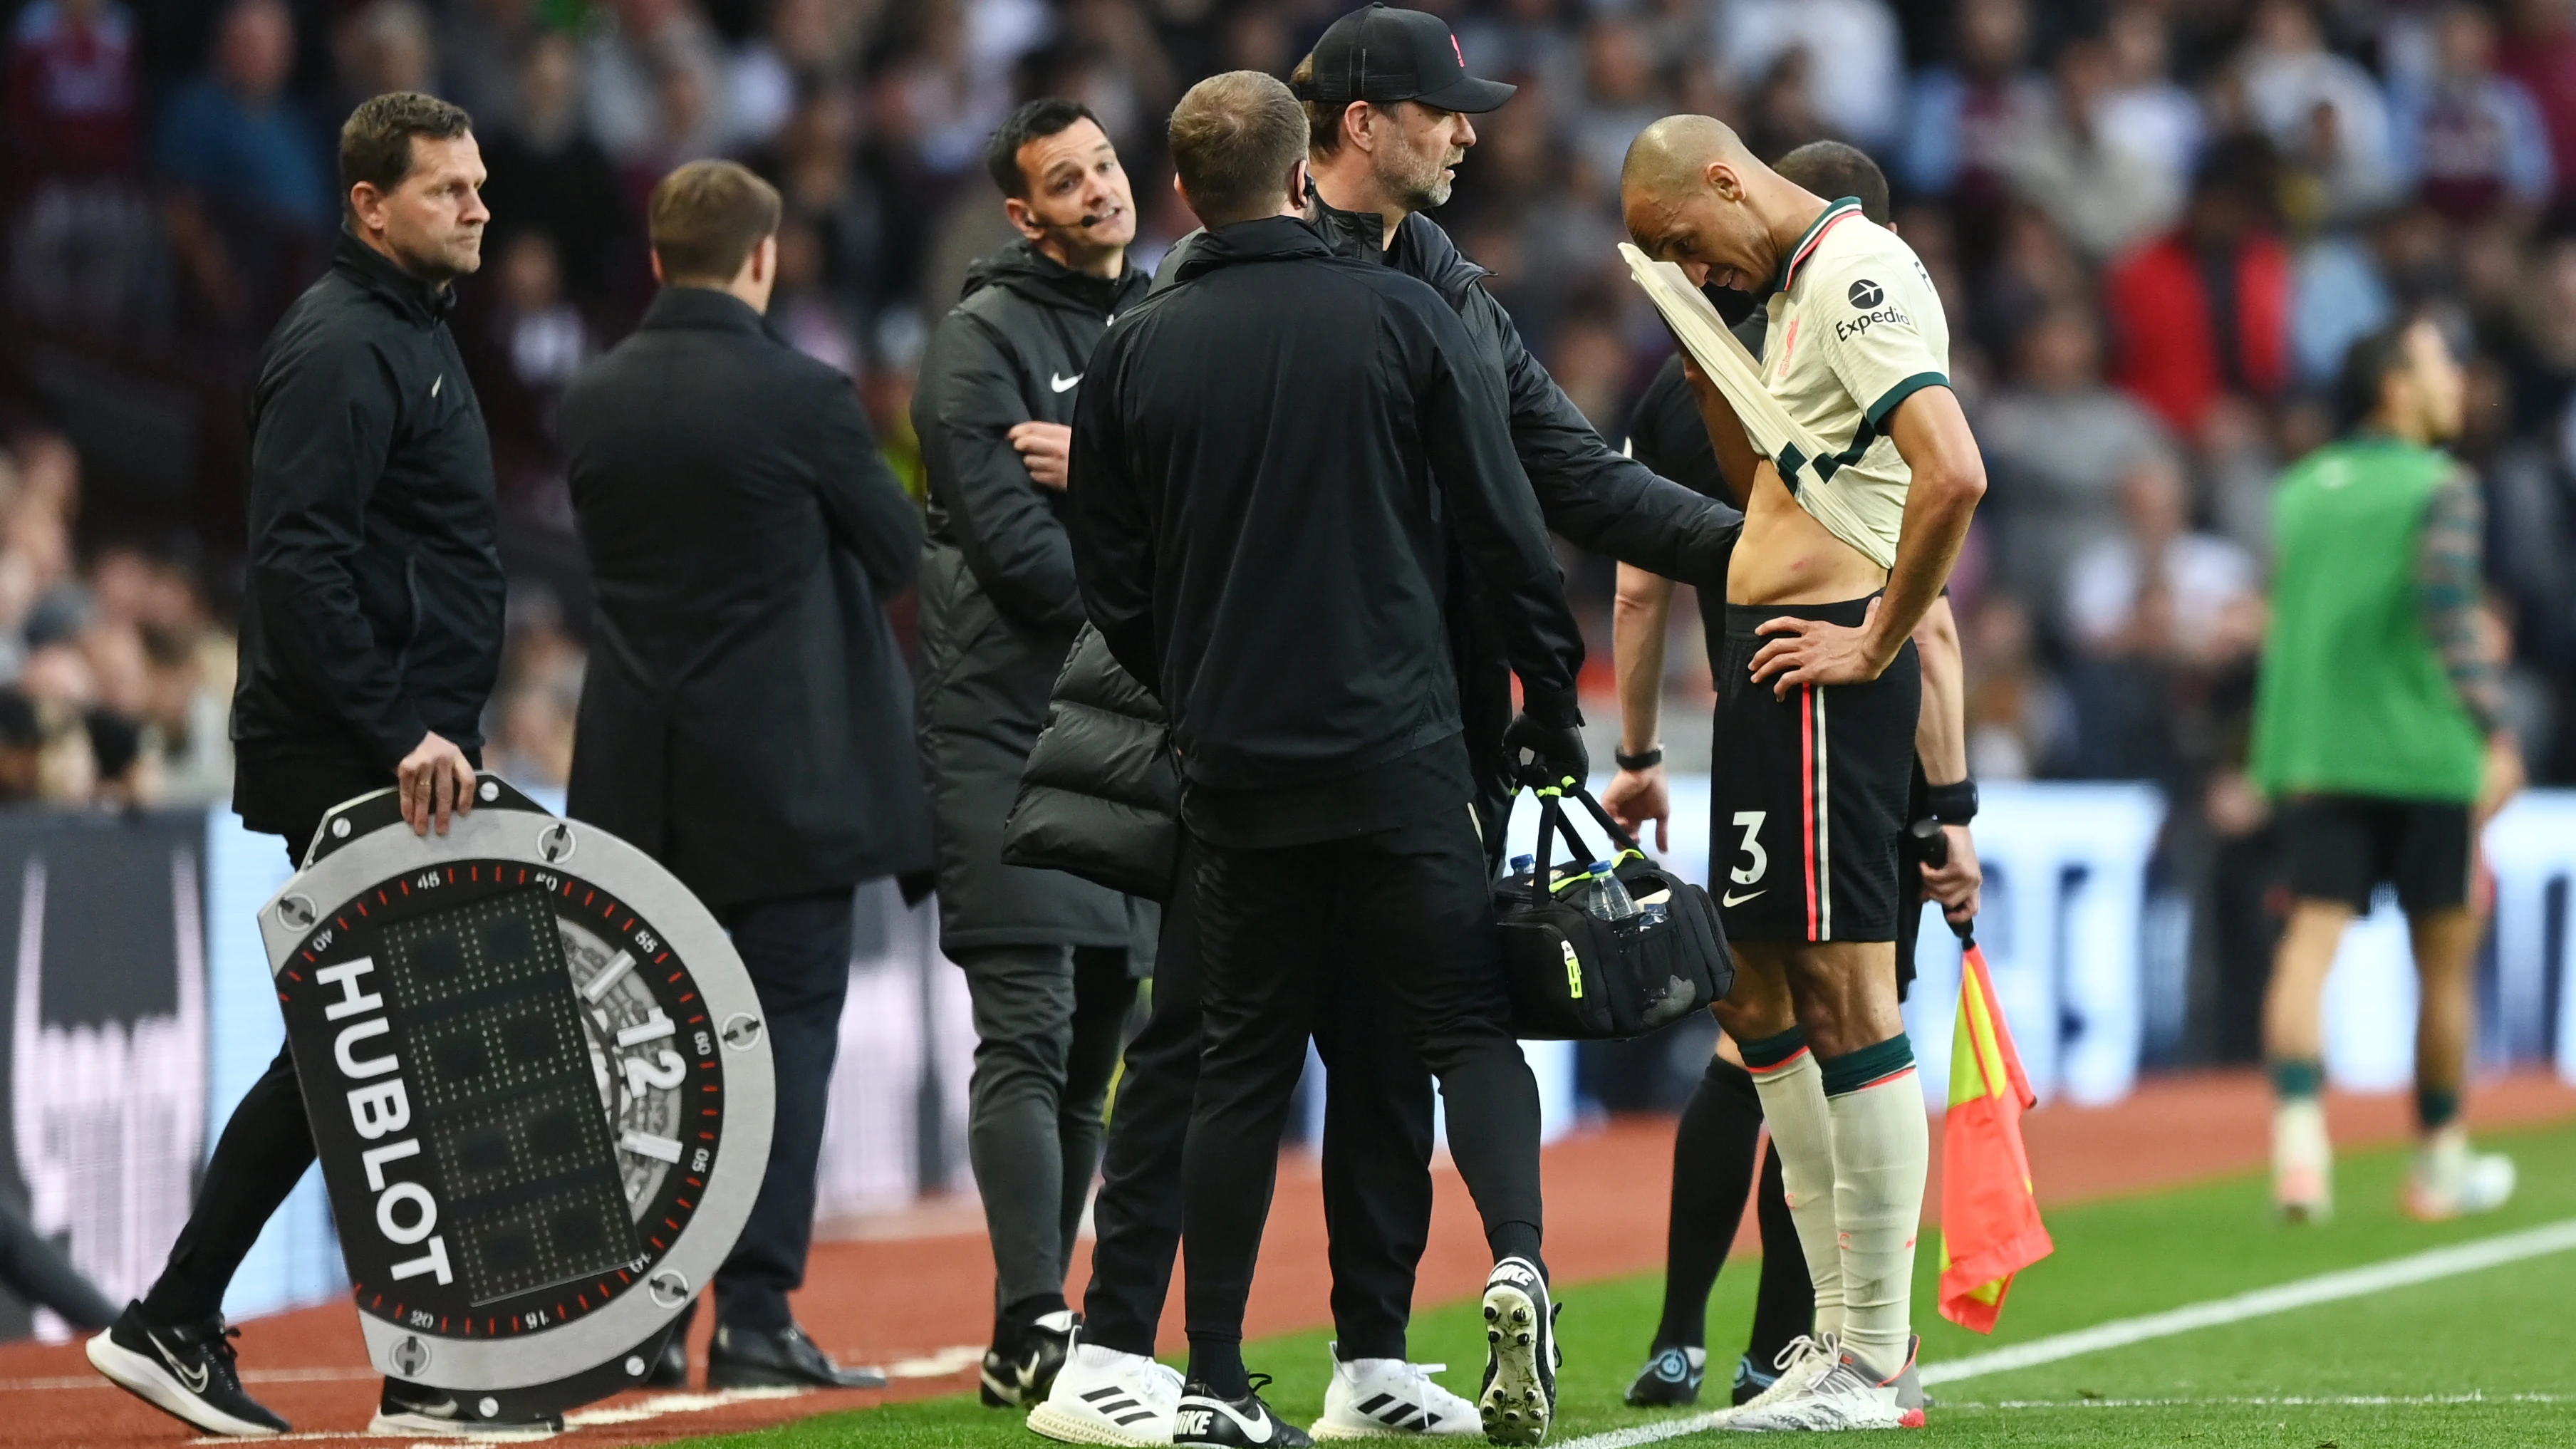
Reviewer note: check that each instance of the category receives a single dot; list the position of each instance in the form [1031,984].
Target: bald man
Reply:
[1819,690]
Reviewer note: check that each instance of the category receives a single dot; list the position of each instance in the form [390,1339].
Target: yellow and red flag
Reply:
[1990,1227]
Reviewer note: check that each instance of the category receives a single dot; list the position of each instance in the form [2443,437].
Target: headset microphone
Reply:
[1090,219]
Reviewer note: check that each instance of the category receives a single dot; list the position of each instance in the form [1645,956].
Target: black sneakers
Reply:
[1670,1379]
[671,1367]
[185,1371]
[1018,1373]
[420,1409]
[1204,1417]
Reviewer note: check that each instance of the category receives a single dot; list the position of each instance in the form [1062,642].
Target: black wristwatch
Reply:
[1952,804]
[1647,761]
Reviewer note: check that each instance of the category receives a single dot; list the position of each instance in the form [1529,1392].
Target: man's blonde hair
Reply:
[1234,138]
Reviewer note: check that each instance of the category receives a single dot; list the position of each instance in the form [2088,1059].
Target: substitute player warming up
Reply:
[2377,730]
[1819,689]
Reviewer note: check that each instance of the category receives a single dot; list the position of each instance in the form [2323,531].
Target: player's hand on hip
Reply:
[1957,884]
[1811,651]
[1047,451]
[437,782]
[1637,796]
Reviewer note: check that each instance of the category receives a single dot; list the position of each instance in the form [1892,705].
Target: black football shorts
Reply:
[1807,794]
[2340,847]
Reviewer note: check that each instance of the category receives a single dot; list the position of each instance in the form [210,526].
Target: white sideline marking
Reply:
[2278,1401]
[2424,1267]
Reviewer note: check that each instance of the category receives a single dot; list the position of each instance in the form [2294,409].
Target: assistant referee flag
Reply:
[1990,1227]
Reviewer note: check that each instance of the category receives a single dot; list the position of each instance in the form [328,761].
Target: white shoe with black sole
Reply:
[185,1371]
[1204,1417]
[1103,1396]
[1519,1397]
[1389,1398]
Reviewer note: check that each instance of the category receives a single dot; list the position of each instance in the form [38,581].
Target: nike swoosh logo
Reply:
[1062,383]
[1256,1430]
[1731,899]
[436,383]
[195,1383]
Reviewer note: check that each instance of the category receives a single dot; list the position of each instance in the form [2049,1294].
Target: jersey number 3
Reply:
[1751,822]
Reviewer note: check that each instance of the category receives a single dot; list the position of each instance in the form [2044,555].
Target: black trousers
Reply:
[797,949]
[1377,1153]
[1409,908]
[266,1144]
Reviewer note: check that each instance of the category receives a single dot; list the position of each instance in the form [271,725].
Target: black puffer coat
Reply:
[1101,796]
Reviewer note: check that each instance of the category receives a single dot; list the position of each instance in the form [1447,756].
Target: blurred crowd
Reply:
[2157,225]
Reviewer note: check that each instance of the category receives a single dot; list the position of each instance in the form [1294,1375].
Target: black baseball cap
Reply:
[1384,54]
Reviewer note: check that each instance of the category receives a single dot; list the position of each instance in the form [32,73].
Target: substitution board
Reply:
[539,1084]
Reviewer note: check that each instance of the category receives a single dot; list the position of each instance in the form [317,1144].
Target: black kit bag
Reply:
[1576,977]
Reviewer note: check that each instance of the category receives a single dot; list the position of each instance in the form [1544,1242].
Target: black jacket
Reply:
[1272,464]
[1100,797]
[998,603]
[371,608]
[1591,494]
[746,718]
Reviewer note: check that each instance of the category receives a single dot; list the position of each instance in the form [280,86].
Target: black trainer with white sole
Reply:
[1017,1375]
[1205,1417]
[1519,1397]
[419,1409]
[185,1371]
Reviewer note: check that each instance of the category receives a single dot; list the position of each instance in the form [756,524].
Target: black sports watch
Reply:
[1650,759]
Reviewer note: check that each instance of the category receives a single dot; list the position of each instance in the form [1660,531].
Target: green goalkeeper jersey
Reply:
[2354,698]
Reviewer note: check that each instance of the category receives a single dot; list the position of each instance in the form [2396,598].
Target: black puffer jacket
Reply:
[1101,796]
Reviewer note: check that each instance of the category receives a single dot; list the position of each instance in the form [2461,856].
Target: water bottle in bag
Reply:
[1605,898]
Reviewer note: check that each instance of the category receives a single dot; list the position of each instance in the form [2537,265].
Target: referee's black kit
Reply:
[1276,462]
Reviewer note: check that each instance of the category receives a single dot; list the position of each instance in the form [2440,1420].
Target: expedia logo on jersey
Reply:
[1869,299]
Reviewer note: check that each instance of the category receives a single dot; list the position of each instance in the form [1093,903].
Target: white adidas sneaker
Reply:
[1102,1396]
[1849,1394]
[1388,1398]
[2450,1181]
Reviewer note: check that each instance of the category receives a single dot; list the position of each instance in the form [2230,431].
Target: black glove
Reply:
[1545,744]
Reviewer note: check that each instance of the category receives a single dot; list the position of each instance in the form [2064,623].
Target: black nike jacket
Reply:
[371,608]
[1273,461]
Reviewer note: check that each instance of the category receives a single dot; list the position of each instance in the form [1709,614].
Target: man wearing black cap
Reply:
[1388,100]
[1256,535]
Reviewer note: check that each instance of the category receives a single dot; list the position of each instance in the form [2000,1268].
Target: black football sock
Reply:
[1712,1170]
[1217,1364]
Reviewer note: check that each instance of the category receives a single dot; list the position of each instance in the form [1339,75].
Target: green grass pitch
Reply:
[2506,1335]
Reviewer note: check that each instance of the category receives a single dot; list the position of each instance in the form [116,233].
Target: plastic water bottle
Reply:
[1524,864]
[1606,899]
